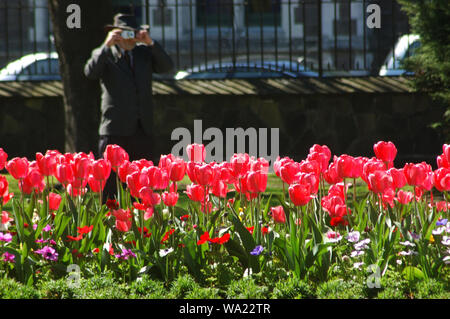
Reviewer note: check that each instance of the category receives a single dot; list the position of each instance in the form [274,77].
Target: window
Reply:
[307,18]
[160,19]
[214,12]
[341,25]
[265,12]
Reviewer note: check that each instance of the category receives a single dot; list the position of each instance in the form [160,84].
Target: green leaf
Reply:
[413,273]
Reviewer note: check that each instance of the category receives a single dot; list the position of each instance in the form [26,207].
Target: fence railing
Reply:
[322,37]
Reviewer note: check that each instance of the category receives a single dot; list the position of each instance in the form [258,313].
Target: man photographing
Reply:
[124,64]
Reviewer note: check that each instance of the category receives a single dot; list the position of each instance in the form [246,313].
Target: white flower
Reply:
[362,244]
[407,243]
[333,237]
[358,265]
[357,253]
[447,228]
[447,260]
[353,237]
[438,230]
[165,252]
[408,253]
[399,261]
[446,241]
[248,272]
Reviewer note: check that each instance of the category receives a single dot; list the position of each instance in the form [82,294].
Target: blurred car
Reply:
[406,46]
[39,66]
[243,70]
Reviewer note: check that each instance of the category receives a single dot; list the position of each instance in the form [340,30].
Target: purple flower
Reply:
[353,237]
[257,251]
[7,257]
[441,222]
[42,240]
[5,237]
[126,253]
[48,253]
[47,228]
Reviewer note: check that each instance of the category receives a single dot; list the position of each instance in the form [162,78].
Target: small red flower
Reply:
[184,217]
[95,250]
[78,238]
[204,238]
[167,235]
[250,229]
[85,229]
[112,204]
[264,230]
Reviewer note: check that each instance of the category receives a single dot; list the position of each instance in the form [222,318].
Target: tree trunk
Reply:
[74,47]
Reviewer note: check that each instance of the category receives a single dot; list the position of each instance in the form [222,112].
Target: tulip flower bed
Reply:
[312,234]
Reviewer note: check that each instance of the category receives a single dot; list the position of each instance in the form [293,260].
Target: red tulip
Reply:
[385,151]
[158,177]
[95,185]
[101,169]
[442,179]
[331,175]
[278,214]
[33,182]
[47,163]
[220,189]
[3,158]
[177,170]
[256,182]
[133,183]
[289,171]
[280,163]
[82,167]
[116,155]
[442,161]
[149,197]
[299,194]
[85,230]
[170,199]
[64,173]
[321,154]
[417,174]
[404,197]
[370,166]
[123,219]
[311,180]
[347,167]
[126,169]
[18,167]
[54,200]
[446,152]
[380,181]
[204,174]
[398,177]
[5,196]
[239,164]
[196,152]
[166,160]
[195,192]
[75,190]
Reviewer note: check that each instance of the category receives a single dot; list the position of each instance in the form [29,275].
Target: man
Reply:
[124,64]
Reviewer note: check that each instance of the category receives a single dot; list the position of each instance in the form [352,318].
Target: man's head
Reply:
[125,28]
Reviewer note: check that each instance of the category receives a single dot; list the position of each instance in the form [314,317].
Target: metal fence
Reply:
[329,37]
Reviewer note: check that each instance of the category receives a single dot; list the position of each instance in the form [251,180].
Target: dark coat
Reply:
[126,97]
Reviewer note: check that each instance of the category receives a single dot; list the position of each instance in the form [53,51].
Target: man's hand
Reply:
[144,37]
[114,37]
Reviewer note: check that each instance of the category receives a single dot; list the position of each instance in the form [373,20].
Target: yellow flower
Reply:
[431,239]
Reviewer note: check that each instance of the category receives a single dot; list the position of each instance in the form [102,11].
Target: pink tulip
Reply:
[195,192]
[116,155]
[398,177]
[18,167]
[446,152]
[442,179]
[278,214]
[196,152]
[170,199]
[47,163]
[126,169]
[256,182]
[54,200]
[404,197]
[3,158]
[220,189]
[177,170]
[418,174]
[299,194]
[380,182]
[204,174]
[289,171]
[101,169]
[385,151]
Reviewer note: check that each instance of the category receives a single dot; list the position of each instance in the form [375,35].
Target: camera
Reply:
[126,34]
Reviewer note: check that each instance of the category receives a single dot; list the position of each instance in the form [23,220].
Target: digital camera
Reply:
[126,34]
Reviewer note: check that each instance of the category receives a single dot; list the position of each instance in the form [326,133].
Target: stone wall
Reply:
[347,123]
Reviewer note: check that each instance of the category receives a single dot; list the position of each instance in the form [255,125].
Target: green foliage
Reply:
[292,288]
[11,289]
[246,288]
[432,289]
[431,21]
[339,289]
